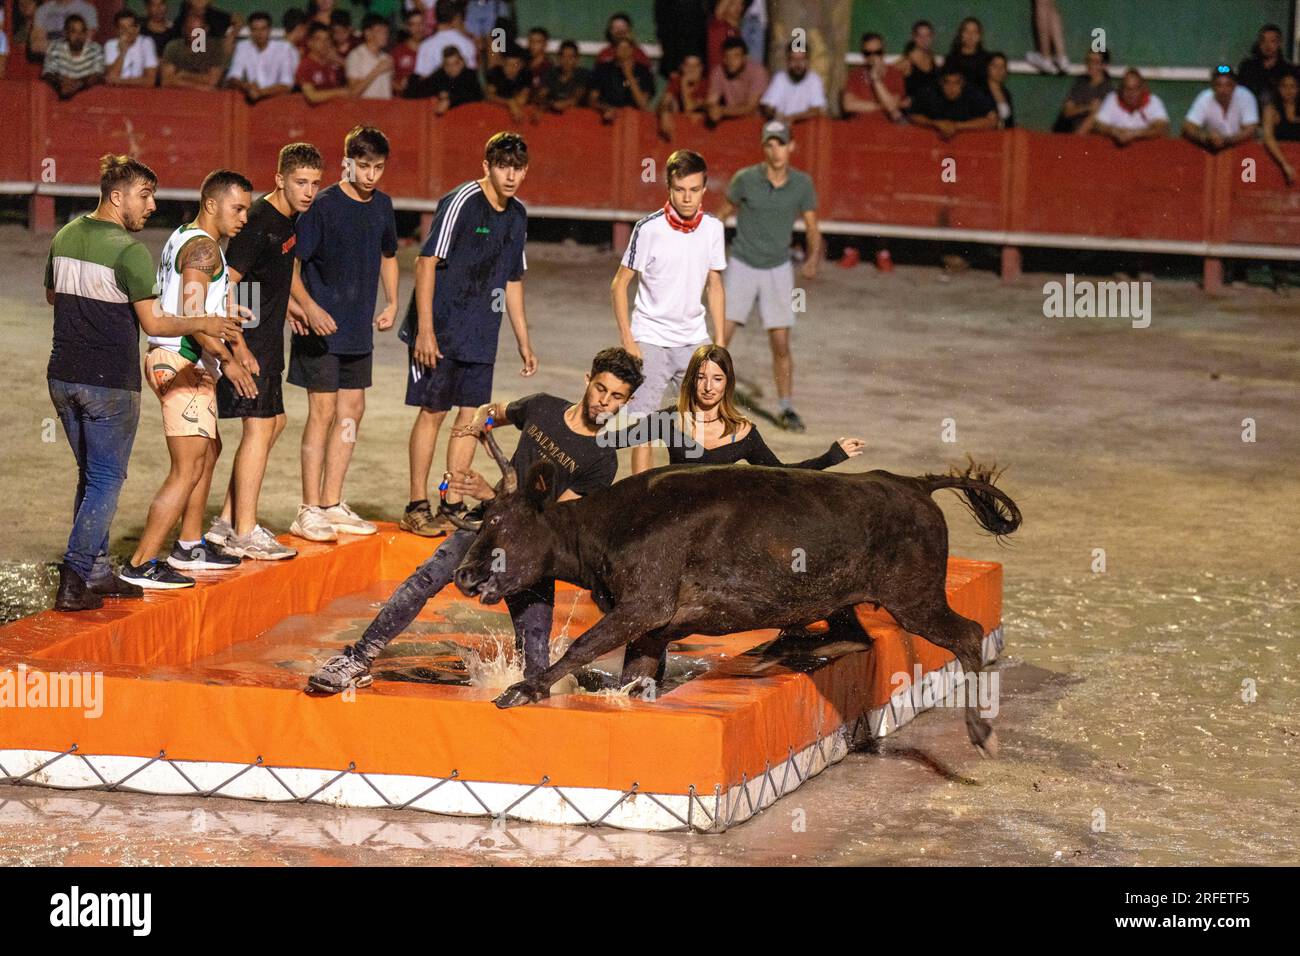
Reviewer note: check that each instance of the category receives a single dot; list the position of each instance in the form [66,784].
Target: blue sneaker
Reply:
[204,556]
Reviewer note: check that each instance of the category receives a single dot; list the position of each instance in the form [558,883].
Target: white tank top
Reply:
[170,297]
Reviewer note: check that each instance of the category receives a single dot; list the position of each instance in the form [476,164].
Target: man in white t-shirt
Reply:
[369,69]
[449,33]
[1130,113]
[796,93]
[262,67]
[1224,115]
[130,58]
[676,254]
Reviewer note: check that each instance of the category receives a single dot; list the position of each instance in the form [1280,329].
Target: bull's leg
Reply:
[613,630]
[845,626]
[940,624]
[647,656]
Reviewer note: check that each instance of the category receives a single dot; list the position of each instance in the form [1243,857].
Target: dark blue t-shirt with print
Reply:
[479,250]
[340,243]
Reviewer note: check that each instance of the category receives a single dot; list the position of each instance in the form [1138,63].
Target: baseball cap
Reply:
[775,128]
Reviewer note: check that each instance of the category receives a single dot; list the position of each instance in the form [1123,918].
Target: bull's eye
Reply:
[495,519]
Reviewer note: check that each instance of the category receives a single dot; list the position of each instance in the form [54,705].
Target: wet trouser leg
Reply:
[413,593]
[533,612]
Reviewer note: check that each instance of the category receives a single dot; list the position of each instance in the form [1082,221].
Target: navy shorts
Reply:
[313,367]
[452,383]
[268,404]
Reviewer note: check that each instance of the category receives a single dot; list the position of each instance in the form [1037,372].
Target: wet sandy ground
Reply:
[1125,735]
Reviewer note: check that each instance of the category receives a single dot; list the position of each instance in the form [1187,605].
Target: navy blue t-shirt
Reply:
[340,243]
[479,250]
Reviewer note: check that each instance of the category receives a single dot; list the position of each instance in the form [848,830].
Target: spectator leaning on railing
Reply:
[1261,71]
[876,88]
[451,85]
[955,106]
[540,64]
[318,76]
[795,93]
[687,95]
[51,20]
[567,84]
[342,35]
[75,62]
[195,60]
[736,84]
[919,65]
[1224,115]
[447,34]
[130,58]
[262,67]
[1282,122]
[1130,113]
[998,92]
[1086,94]
[622,82]
[508,84]
[369,69]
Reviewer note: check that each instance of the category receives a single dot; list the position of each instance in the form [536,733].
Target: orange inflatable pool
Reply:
[201,691]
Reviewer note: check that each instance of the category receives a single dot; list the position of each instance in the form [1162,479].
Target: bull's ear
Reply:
[539,486]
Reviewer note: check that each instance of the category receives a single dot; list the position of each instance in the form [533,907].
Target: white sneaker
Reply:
[312,524]
[347,521]
[1040,62]
[1062,64]
[220,532]
[260,545]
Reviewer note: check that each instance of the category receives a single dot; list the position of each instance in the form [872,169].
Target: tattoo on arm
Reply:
[202,254]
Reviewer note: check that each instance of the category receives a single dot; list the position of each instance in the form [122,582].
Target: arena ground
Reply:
[1125,735]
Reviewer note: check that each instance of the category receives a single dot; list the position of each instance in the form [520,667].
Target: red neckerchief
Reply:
[1146,98]
[680,224]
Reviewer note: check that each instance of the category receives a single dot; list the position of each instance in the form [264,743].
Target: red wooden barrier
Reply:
[866,172]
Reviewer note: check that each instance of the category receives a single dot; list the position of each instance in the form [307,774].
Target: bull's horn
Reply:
[511,482]
[463,523]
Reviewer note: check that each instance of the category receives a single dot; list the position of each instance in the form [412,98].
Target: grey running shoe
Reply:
[154,575]
[339,673]
[346,521]
[259,545]
[422,522]
[790,421]
[220,532]
[204,556]
[312,524]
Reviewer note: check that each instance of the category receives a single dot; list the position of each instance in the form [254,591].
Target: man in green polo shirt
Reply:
[100,281]
[767,198]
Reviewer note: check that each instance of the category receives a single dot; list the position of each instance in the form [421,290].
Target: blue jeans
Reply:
[100,426]
[532,611]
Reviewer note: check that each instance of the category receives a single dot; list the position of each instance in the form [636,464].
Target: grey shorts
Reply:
[773,288]
[662,367]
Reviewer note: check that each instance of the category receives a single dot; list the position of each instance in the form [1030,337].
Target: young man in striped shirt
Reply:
[74,63]
[471,267]
[676,254]
[100,281]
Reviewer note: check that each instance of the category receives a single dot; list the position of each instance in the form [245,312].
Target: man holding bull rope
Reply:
[551,429]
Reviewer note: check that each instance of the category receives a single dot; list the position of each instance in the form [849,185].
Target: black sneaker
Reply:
[790,421]
[204,556]
[156,575]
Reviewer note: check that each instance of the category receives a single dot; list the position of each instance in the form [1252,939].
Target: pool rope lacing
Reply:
[878,723]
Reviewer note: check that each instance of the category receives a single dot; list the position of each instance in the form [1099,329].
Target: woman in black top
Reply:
[1282,122]
[1086,94]
[967,53]
[705,428]
[920,70]
[998,92]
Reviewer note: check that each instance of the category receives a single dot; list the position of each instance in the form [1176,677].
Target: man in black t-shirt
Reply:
[954,106]
[260,260]
[550,429]
[470,270]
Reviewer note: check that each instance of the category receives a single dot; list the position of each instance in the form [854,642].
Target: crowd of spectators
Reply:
[712,68]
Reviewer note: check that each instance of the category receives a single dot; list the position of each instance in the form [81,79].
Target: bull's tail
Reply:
[991,506]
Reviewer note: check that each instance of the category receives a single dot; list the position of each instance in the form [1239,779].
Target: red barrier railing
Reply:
[1009,188]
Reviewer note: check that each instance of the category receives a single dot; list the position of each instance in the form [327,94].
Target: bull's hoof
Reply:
[982,736]
[518,694]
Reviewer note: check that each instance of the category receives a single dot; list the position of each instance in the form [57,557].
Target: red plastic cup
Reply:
[884,261]
[850,258]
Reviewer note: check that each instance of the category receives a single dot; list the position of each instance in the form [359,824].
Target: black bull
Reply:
[722,548]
